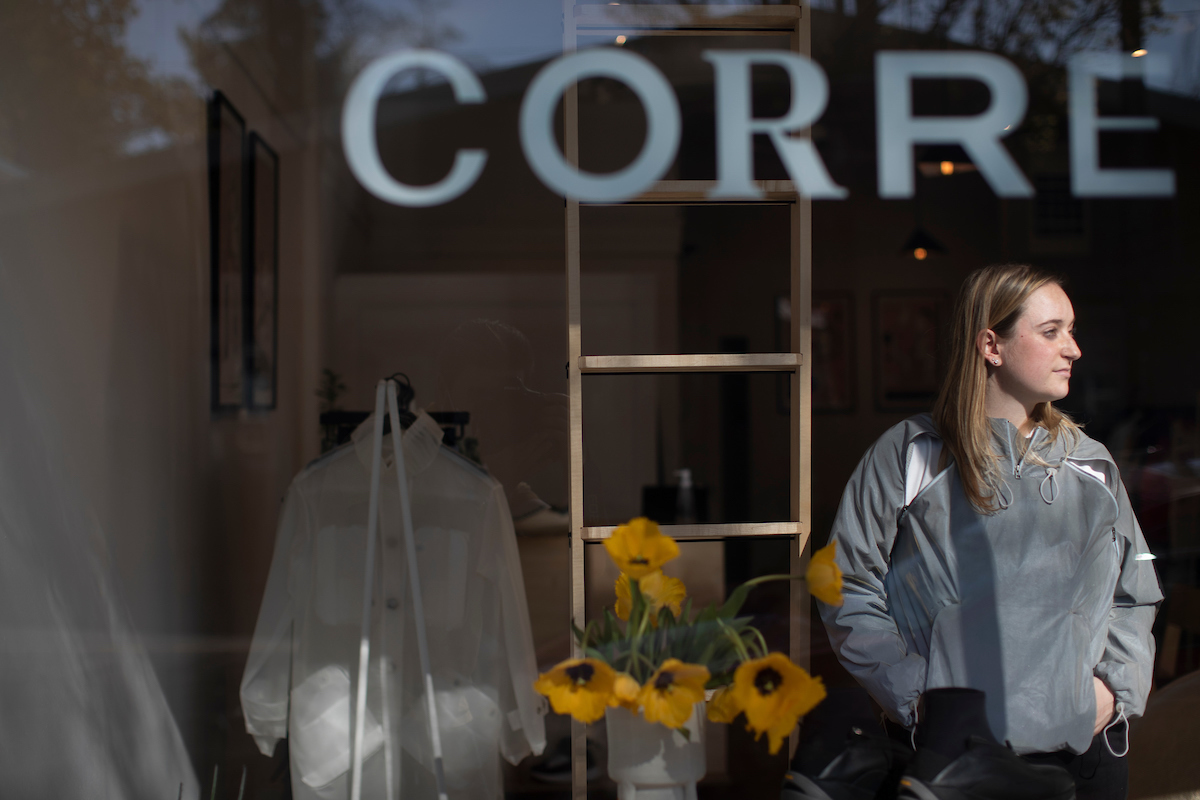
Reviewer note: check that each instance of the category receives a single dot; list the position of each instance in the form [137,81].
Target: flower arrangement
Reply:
[651,654]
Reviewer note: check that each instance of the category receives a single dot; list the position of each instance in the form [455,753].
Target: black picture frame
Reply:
[227,205]
[262,276]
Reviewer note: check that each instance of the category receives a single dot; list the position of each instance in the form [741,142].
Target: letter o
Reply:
[358,129]
[662,125]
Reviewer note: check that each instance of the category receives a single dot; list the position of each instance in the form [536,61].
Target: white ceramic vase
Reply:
[649,761]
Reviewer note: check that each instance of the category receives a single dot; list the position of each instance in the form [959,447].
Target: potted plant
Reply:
[656,669]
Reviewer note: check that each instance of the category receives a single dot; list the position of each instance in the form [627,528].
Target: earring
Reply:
[996,361]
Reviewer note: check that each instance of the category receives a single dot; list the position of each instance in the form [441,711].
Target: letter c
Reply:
[358,129]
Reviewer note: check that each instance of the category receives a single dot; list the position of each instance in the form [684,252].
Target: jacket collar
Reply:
[421,443]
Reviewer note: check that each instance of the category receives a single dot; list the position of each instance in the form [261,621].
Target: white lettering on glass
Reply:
[1087,178]
[736,127]
[662,125]
[358,129]
[897,130]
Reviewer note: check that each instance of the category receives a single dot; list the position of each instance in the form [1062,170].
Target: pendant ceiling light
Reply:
[936,160]
[920,244]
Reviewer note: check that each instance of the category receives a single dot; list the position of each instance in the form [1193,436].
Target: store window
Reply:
[234,232]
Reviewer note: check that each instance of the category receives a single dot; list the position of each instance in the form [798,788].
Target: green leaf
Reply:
[638,606]
[734,604]
[709,614]
[612,628]
[665,618]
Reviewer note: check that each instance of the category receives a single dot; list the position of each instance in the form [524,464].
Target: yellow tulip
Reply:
[823,576]
[659,591]
[672,691]
[625,692]
[723,708]
[581,687]
[639,547]
[774,693]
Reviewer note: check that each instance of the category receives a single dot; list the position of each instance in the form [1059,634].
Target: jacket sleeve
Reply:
[266,681]
[863,634]
[524,728]
[1127,664]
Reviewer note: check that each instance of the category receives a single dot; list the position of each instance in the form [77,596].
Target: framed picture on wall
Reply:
[262,284]
[227,248]
[907,349]
[833,371]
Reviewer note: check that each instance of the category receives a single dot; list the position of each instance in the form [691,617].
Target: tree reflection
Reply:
[72,92]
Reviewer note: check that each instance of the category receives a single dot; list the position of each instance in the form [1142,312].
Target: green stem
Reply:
[762,642]
[738,644]
[649,664]
[767,578]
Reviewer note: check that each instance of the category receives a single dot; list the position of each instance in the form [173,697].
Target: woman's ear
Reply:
[988,345]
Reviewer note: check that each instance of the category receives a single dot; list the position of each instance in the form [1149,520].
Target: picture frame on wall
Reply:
[262,284]
[907,348]
[834,384]
[227,248]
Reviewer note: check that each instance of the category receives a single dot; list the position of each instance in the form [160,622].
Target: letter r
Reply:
[736,127]
[897,130]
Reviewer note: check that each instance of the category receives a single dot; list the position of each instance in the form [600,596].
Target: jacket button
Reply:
[393,603]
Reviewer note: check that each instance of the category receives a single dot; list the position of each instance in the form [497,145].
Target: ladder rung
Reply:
[685,533]
[700,362]
[722,17]
[641,33]
[689,193]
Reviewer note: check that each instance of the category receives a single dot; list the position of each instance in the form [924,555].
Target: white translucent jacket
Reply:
[299,680]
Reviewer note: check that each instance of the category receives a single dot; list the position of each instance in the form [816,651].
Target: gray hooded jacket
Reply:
[1026,604]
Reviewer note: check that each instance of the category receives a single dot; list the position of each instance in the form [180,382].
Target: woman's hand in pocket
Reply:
[1104,704]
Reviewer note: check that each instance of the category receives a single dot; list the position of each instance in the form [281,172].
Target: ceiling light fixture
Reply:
[936,160]
[921,245]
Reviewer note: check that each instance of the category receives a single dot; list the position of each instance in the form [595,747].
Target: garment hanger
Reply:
[404,396]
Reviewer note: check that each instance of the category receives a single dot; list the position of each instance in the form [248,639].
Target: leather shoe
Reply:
[867,769]
[986,771]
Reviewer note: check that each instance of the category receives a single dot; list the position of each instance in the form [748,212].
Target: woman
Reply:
[991,547]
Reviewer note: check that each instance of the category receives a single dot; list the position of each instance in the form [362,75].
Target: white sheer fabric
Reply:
[481,645]
[82,713]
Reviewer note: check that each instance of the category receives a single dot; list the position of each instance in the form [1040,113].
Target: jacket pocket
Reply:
[320,727]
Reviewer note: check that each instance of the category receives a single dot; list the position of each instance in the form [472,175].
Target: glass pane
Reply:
[612,123]
[730,432]
[685,279]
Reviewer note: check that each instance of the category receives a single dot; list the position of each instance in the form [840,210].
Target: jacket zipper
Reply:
[1020,464]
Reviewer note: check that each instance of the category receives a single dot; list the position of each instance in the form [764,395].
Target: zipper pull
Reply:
[900,516]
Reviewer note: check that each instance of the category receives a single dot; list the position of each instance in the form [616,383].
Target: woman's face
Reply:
[1035,362]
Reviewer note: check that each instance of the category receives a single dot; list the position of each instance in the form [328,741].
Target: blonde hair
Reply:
[991,298]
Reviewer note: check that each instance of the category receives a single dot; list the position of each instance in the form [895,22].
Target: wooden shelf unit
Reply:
[696,20]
